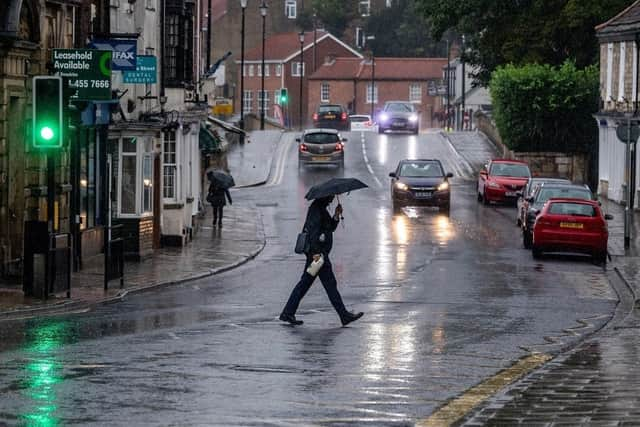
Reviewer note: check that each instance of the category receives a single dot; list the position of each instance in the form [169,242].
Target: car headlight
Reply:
[443,186]
[413,118]
[493,184]
[384,117]
[402,186]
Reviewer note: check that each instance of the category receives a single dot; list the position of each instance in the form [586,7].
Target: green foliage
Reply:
[401,31]
[545,108]
[519,32]
[335,15]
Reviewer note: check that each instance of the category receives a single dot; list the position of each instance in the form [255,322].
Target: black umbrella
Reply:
[333,187]
[221,178]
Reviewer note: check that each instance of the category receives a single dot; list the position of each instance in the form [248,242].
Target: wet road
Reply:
[448,301]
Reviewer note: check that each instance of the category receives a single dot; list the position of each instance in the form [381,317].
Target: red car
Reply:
[571,225]
[502,180]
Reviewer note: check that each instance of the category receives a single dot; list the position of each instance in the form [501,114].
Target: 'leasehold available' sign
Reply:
[88,71]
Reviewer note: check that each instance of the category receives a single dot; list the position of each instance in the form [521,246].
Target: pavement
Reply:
[211,251]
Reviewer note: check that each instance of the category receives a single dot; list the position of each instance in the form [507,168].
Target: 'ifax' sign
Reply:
[125,52]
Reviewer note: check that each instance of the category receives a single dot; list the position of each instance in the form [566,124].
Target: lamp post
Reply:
[373,76]
[301,72]
[243,5]
[263,13]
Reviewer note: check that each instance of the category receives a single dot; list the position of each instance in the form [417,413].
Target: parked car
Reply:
[332,116]
[321,146]
[528,190]
[501,180]
[361,122]
[571,225]
[398,115]
[420,183]
[544,192]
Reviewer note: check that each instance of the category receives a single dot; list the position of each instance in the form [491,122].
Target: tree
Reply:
[522,31]
[334,15]
[402,32]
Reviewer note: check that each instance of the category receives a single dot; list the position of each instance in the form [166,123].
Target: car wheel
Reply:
[600,257]
[527,239]
[536,252]
[485,200]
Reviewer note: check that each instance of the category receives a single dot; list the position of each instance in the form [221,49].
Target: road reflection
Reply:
[390,347]
[383,148]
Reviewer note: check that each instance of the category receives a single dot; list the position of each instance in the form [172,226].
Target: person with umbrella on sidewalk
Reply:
[219,184]
[319,227]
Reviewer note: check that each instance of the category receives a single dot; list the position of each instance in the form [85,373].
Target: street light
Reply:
[301,72]
[373,76]
[263,12]
[243,5]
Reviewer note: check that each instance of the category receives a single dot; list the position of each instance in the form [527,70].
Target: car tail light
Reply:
[339,146]
[544,222]
[368,123]
[343,116]
[315,116]
[303,147]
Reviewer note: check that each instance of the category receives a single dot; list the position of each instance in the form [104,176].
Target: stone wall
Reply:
[572,166]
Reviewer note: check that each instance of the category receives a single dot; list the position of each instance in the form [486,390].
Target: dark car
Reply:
[528,192]
[321,146]
[420,183]
[332,116]
[542,194]
[398,115]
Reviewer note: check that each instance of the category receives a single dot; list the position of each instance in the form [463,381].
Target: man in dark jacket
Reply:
[320,227]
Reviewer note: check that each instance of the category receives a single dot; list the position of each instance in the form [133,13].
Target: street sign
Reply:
[87,71]
[146,71]
[622,132]
[124,52]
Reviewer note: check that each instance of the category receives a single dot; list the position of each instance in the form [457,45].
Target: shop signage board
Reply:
[87,71]
[146,71]
[124,52]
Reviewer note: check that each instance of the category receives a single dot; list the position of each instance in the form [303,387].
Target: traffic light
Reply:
[284,96]
[47,112]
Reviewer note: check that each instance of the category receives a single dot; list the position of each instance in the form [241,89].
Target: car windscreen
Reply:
[510,169]
[575,209]
[562,193]
[399,107]
[421,170]
[359,119]
[330,109]
[321,138]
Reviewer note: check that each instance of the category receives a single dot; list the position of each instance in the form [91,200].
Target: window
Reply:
[259,71]
[250,70]
[360,39]
[364,7]
[128,176]
[170,167]
[263,101]
[324,92]
[375,93]
[290,9]
[178,44]
[266,70]
[244,71]
[147,183]
[247,101]
[297,69]
[415,93]
[278,70]
[88,190]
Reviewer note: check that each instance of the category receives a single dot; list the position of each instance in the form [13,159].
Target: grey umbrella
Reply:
[334,187]
[220,178]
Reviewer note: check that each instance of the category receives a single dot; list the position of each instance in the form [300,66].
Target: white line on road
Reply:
[366,160]
[281,161]
[461,159]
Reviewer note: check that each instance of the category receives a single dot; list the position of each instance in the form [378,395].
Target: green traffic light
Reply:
[46,133]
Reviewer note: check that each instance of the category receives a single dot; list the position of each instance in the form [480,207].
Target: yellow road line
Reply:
[460,406]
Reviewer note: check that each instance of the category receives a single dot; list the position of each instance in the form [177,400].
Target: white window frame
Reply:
[140,154]
[291,9]
[375,93]
[263,101]
[247,100]
[251,70]
[295,69]
[266,70]
[170,137]
[609,77]
[259,73]
[366,5]
[622,71]
[278,70]
[325,92]
[415,93]
[360,38]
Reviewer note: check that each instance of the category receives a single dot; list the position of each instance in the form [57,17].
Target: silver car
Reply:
[321,146]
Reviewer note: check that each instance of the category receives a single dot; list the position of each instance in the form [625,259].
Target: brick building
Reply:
[347,81]
[283,69]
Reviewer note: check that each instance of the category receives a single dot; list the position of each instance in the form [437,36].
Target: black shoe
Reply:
[290,318]
[220,224]
[350,317]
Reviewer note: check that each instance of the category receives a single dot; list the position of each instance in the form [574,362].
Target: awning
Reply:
[209,141]
[226,126]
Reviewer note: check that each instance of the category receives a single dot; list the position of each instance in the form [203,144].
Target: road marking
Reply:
[366,160]
[281,161]
[460,406]
[462,160]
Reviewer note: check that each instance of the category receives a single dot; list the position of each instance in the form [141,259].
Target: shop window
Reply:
[88,190]
[132,171]
[415,93]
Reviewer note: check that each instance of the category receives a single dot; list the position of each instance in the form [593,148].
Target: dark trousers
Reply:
[217,214]
[329,282]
